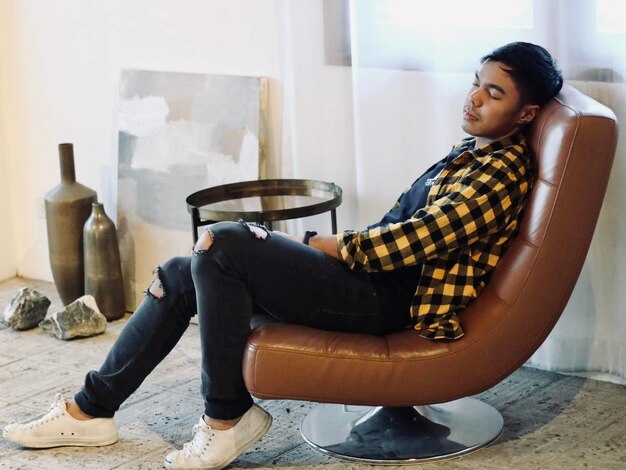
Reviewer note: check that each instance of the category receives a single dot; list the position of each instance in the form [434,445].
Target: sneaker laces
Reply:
[54,411]
[201,440]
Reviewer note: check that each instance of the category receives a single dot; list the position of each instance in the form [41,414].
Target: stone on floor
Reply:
[79,319]
[27,308]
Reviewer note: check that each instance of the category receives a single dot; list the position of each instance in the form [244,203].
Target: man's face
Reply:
[493,108]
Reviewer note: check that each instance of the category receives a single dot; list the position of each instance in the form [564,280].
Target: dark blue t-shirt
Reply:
[415,198]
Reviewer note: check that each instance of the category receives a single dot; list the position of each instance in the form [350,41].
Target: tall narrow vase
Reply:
[103,270]
[68,206]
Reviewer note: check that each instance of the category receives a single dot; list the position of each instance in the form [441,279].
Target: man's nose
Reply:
[475,98]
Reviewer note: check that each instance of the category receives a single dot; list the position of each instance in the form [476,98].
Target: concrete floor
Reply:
[552,421]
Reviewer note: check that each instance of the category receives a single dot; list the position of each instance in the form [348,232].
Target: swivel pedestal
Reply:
[384,435]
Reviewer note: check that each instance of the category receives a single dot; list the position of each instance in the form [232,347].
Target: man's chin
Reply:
[467,129]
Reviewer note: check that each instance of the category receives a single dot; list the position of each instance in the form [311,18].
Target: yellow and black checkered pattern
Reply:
[472,214]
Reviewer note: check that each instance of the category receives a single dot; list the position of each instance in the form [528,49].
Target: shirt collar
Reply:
[516,139]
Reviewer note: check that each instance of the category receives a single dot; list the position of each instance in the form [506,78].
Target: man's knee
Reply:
[170,275]
[231,245]
[223,235]
[156,289]
[204,242]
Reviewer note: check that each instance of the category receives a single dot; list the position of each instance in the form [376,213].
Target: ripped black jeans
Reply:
[224,285]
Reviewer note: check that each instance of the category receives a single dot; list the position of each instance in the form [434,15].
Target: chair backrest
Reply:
[574,140]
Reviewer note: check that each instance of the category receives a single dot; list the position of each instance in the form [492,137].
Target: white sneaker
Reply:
[212,449]
[58,428]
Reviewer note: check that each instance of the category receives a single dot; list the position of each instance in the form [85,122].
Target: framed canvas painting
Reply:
[178,133]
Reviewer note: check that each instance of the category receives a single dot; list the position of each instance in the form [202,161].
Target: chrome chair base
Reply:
[384,435]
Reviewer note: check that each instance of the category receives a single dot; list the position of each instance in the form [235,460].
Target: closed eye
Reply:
[495,91]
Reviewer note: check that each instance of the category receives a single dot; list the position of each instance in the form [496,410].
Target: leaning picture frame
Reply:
[178,133]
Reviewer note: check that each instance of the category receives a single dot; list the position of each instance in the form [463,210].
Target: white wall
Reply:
[8,266]
[59,84]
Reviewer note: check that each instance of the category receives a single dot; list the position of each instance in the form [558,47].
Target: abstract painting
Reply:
[178,133]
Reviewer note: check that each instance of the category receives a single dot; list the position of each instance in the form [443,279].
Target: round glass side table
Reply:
[263,202]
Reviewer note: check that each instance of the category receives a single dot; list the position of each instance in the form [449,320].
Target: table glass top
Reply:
[264,203]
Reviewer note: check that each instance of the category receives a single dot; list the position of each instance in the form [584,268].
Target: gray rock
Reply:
[81,318]
[27,308]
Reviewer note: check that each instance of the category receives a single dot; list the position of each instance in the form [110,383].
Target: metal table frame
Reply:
[267,190]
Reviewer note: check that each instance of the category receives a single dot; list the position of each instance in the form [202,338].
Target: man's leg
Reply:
[289,280]
[236,272]
[146,339]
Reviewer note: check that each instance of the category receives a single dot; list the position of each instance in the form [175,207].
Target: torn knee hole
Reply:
[260,232]
[204,242]
[156,288]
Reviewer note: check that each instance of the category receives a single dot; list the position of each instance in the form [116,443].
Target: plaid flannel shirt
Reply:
[471,216]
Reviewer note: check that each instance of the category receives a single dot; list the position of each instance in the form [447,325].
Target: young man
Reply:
[425,260]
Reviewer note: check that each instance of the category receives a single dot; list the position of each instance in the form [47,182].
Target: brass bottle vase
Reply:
[67,207]
[103,270]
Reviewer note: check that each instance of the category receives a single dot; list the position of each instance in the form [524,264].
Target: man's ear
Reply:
[528,113]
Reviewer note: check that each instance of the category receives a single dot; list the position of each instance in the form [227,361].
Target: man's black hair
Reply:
[532,68]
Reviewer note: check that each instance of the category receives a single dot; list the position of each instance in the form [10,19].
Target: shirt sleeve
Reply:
[482,204]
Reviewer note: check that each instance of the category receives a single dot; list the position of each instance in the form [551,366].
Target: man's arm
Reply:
[491,199]
[326,243]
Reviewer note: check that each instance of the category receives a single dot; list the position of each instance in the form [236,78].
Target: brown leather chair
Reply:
[402,374]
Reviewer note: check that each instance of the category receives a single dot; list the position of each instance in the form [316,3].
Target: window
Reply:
[588,37]
[415,35]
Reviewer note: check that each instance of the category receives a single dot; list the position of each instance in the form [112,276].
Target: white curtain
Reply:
[395,85]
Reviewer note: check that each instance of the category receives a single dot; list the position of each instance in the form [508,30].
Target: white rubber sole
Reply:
[229,458]
[69,441]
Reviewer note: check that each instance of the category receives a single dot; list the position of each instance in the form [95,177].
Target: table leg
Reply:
[333,220]
[195,222]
